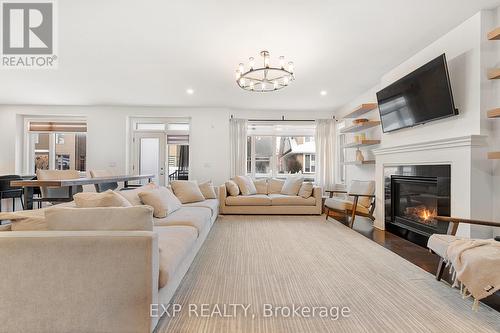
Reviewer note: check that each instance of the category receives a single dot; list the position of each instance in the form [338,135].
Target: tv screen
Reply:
[419,97]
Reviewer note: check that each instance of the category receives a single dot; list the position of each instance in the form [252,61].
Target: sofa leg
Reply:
[327,213]
[440,269]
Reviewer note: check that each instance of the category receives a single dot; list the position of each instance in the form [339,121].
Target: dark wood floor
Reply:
[414,253]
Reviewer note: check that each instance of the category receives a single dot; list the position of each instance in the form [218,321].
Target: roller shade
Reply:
[282,128]
[52,126]
[177,139]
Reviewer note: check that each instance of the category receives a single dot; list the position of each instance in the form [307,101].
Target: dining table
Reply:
[29,184]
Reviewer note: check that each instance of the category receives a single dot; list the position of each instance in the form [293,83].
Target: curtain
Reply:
[325,153]
[238,146]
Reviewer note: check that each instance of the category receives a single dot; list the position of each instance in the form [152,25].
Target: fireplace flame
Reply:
[421,213]
[426,214]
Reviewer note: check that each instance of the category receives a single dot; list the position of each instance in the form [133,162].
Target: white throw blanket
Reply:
[476,266]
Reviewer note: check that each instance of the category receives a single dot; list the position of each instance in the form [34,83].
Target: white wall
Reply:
[107,134]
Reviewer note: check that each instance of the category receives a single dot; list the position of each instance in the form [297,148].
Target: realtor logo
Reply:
[28,34]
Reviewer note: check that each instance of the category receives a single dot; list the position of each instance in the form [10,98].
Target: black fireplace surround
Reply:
[414,194]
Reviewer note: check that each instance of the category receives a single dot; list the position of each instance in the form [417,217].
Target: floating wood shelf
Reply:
[494,155]
[359,162]
[494,74]
[363,143]
[360,127]
[362,109]
[495,113]
[494,34]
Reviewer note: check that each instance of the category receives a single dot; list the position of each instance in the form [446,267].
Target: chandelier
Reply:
[266,78]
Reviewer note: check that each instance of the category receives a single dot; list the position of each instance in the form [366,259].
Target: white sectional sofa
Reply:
[98,281]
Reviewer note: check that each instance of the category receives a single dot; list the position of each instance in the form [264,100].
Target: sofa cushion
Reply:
[291,200]
[246,185]
[212,204]
[108,198]
[197,217]
[207,189]
[187,191]
[439,243]
[26,220]
[306,190]
[133,195]
[261,186]
[275,185]
[232,188]
[292,185]
[162,200]
[250,200]
[100,218]
[175,244]
[343,204]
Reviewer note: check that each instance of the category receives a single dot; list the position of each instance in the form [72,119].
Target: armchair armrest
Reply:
[455,221]
[361,195]
[222,198]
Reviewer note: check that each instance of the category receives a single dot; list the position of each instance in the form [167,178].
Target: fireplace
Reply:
[414,195]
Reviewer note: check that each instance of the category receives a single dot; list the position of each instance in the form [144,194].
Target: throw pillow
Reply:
[187,191]
[306,190]
[292,185]
[207,189]
[132,196]
[261,186]
[26,220]
[104,199]
[100,218]
[232,188]
[275,186]
[246,185]
[162,200]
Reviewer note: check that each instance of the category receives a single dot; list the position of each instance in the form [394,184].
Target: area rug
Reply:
[300,274]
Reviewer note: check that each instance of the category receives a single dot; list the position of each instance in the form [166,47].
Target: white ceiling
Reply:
[118,52]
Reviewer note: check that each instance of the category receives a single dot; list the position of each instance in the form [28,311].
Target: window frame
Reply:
[341,174]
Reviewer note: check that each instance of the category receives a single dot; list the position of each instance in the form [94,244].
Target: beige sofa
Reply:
[98,281]
[270,204]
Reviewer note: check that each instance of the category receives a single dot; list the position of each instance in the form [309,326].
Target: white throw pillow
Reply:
[162,200]
[232,188]
[292,185]
[207,189]
[246,185]
[306,190]
[275,186]
[261,186]
[104,199]
[100,218]
[132,196]
[187,191]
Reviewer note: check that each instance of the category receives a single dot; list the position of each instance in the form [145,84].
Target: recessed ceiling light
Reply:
[323,93]
[189,91]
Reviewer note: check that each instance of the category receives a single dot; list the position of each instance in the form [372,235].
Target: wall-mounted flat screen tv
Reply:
[419,97]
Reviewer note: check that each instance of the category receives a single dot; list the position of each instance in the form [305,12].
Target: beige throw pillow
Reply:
[275,186]
[261,186]
[207,189]
[100,218]
[246,185]
[292,185]
[104,199]
[306,190]
[187,191]
[132,196]
[26,220]
[162,200]
[232,188]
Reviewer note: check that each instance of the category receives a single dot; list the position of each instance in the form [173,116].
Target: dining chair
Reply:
[8,192]
[49,192]
[104,186]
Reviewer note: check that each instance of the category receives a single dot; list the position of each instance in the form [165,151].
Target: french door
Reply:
[150,155]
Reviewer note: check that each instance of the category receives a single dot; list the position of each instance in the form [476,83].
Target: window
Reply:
[56,145]
[341,151]
[280,150]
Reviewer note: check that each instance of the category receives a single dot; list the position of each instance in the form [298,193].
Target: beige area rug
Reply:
[303,261]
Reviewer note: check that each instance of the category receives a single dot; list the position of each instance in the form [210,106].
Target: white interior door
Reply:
[150,155]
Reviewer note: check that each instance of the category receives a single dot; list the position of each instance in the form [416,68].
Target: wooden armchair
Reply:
[361,204]
[438,244]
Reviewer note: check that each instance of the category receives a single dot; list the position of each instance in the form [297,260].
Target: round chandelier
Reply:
[266,78]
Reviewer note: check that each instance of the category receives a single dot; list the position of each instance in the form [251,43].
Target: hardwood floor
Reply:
[412,252]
